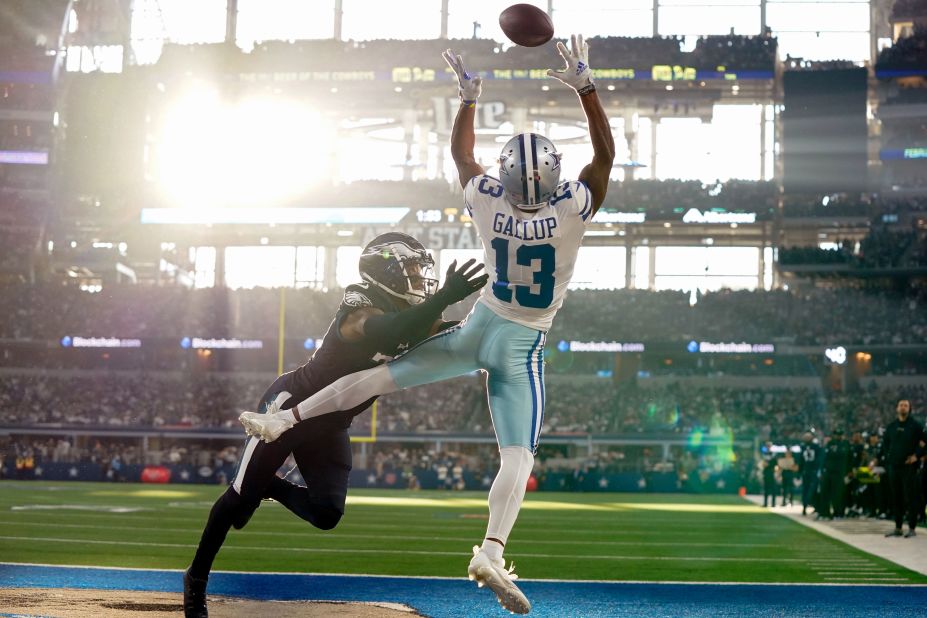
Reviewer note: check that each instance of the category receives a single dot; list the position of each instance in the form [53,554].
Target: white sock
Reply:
[505,496]
[492,549]
[346,393]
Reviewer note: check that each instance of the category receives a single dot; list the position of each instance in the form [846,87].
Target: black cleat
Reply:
[909,534]
[895,532]
[194,597]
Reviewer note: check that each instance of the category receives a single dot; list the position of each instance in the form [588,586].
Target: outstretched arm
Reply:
[578,76]
[463,137]
[381,328]
[596,173]
[388,330]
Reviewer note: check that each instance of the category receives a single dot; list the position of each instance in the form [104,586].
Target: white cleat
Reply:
[267,427]
[492,573]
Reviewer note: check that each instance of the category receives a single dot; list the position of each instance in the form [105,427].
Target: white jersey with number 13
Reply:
[529,256]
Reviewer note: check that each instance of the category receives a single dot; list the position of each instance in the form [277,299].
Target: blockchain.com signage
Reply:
[710,347]
[202,343]
[99,342]
[694,215]
[599,346]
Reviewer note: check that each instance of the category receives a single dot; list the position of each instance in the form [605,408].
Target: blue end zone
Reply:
[452,598]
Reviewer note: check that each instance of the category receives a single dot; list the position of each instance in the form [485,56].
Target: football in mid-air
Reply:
[526,25]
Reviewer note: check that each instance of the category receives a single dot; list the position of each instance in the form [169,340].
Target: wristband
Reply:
[468,103]
[586,89]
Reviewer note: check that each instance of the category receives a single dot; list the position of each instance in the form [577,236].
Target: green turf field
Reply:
[564,536]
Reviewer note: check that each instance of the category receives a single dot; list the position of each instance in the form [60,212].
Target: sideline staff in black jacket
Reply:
[902,445]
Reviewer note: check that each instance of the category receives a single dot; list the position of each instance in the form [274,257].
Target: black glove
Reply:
[388,330]
[460,283]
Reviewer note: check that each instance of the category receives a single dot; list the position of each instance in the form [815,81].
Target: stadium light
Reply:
[259,151]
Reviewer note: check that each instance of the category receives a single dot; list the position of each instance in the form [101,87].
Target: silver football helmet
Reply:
[529,168]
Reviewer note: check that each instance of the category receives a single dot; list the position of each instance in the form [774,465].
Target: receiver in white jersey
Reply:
[529,256]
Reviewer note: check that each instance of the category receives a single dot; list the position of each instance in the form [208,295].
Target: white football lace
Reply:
[511,571]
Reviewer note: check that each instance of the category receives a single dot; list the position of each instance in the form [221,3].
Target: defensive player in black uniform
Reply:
[395,308]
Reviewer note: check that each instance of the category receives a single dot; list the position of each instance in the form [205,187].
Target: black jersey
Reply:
[336,357]
[901,440]
[810,461]
[837,457]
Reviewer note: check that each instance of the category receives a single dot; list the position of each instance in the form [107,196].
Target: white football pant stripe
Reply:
[243,466]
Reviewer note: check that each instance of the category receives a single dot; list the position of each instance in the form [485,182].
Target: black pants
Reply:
[809,491]
[905,496]
[770,489]
[788,487]
[833,495]
[322,450]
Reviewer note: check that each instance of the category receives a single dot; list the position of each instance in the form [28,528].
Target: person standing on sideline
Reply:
[768,465]
[835,476]
[810,468]
[787,468]
[902,446]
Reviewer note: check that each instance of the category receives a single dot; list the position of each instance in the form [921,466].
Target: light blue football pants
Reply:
[512,355]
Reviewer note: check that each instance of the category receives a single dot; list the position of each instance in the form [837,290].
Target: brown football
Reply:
[526,25]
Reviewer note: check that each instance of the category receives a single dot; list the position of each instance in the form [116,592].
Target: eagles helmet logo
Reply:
[353,298]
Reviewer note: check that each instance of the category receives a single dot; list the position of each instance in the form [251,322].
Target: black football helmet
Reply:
[400,266]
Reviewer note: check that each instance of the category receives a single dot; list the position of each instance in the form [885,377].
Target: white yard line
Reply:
[233,546]
[315,534]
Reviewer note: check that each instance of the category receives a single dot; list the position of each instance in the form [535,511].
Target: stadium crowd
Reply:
[813,316]
[865,205]
[671,198]
[807,316]
[881,248]
[908,52]
[389,464]
[166,400]
[574,405]
[660,199]
[640,53]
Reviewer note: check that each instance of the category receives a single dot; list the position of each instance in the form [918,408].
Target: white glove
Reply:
[576,74]
[469,86]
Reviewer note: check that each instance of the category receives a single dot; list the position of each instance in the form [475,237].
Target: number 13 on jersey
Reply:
[542,261]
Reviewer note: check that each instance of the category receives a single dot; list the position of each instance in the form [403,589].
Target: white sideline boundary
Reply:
[909,553]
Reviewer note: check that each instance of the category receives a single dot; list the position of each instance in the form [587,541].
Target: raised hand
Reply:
[461,282]
[576,74]
[469,86]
